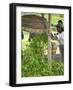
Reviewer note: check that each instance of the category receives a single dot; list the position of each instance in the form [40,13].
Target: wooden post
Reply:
[49,38]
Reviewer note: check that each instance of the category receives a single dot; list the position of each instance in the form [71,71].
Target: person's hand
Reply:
[55,36]
[52,36]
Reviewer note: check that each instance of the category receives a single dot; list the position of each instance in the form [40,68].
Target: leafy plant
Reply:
[35,63]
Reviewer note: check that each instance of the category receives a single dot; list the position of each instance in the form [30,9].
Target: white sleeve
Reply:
[61,38]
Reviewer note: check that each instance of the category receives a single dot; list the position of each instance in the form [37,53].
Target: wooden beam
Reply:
[49,39]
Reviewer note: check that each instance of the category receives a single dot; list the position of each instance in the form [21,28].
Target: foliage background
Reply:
[35,63]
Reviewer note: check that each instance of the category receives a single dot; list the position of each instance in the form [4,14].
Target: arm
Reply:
[54,37]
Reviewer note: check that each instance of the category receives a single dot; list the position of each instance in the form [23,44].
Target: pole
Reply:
[49,38]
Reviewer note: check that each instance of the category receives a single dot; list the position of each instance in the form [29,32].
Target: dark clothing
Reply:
[62,52]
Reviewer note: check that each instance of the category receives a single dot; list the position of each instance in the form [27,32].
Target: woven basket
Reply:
[34,23]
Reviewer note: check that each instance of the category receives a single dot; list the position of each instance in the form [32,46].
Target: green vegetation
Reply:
[35,62]
[55,18]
